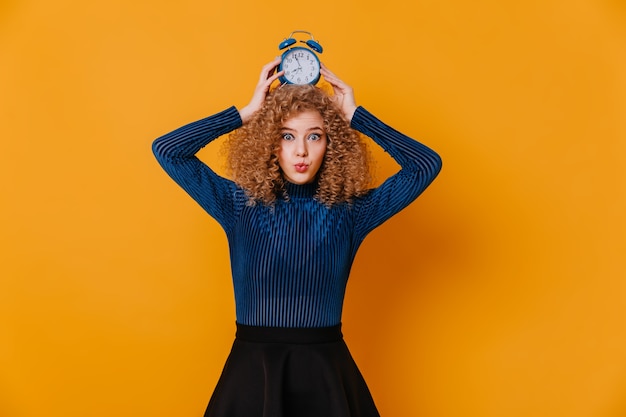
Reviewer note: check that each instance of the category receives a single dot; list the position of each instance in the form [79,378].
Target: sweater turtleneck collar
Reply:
[301,190]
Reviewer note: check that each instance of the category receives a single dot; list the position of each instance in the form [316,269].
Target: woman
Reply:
[295,213]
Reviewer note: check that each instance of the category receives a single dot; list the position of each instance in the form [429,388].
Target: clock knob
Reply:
[286,43]
[315,46]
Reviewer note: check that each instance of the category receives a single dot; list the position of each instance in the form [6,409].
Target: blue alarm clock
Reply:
[301,65]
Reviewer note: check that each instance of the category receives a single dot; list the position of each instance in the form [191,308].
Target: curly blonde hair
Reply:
[252,150]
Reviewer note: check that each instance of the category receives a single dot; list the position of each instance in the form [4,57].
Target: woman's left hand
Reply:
[343,93]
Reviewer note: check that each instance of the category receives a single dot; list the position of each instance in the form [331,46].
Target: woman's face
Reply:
[303,146]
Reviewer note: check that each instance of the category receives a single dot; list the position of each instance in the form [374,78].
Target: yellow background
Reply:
[500,292]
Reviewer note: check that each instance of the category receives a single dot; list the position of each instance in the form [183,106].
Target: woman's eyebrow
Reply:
[308,129]
[314,128]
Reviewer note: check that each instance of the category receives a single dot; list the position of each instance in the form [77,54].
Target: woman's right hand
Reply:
[267,77]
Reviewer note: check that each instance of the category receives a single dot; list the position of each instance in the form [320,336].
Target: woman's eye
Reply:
[288,136]
[315,136]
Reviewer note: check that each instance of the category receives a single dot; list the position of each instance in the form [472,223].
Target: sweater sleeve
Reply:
[176,153]
[419,167]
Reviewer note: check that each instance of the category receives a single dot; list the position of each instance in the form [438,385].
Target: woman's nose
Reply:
[301,149]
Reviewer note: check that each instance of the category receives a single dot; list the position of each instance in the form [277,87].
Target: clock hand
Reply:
[298,61]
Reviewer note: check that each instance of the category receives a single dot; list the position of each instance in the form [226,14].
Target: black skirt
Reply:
[290,372]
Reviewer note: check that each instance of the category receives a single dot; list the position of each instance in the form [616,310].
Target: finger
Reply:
[272,78]
[327,73]
[337,84]
[268,69]
[325,68]
[263,87]
[333,79]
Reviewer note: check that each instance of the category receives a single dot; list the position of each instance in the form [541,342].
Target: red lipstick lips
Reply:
[301,167]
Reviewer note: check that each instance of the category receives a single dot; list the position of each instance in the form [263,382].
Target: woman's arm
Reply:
[176,152]
[419,164]
[419,167]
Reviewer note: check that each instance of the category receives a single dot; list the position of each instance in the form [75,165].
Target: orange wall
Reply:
[501,292]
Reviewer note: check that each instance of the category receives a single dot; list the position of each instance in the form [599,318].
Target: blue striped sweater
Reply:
[290,263]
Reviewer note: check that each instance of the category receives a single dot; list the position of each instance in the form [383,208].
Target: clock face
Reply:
[301,66]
